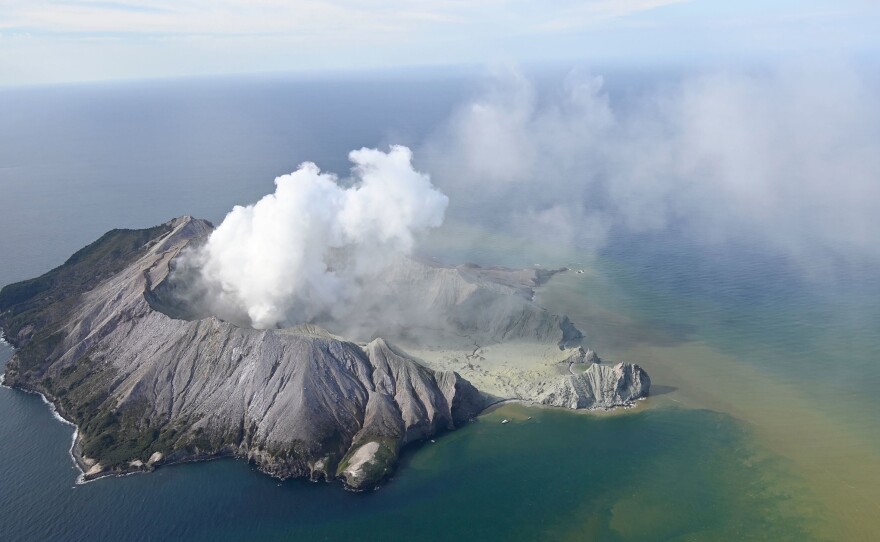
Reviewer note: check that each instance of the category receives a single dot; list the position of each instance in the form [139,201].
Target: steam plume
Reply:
[298,254]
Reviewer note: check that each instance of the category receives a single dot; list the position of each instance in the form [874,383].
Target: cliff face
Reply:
[146,389]
[598,387]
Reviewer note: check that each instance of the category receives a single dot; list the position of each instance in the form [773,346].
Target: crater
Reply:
[414,302]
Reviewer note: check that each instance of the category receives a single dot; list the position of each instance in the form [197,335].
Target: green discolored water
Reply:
[790,349]
[791,352]
[663,474]
[658,475]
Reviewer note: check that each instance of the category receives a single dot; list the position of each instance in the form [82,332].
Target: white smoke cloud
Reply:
[788,156]
[305,251]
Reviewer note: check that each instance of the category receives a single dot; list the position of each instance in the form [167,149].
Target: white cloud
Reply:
[158,37]
[304,17]
[788,158]
[588,14]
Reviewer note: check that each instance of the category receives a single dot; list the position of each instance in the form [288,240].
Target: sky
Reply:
[59,41]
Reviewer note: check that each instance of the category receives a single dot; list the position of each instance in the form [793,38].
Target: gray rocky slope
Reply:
[599,386]
[146,389]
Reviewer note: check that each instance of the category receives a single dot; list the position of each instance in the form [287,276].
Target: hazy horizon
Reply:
[50,42]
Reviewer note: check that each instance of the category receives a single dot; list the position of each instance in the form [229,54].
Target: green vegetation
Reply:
[31,311]
[115,436]
[383,462]
[380,466]
[202,440]
[41,300]
[38,350]
[79,402]
[118,436]
[32,315]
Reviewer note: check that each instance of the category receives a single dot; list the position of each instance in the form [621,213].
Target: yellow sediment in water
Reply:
[822,444]
[839,466]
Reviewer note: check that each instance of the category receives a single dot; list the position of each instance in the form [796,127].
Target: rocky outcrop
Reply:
[600,386]
[581,355]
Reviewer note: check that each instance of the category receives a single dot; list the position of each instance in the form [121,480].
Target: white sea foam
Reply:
[6,344]
[80,479]
[3,342]
[54,411]
[3,373]
[60,418]
[55,414]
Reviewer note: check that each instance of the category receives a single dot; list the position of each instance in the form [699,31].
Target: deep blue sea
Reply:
[764,426]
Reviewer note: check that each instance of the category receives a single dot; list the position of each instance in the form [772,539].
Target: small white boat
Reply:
[505,420]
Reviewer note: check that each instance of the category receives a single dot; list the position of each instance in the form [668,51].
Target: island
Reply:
[151,380]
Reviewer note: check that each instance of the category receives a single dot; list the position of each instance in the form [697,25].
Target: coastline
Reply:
[593,411]
[74,439]
[508,370]
[83,477]
[53,409]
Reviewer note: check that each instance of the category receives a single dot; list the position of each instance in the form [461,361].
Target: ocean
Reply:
[762,424]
